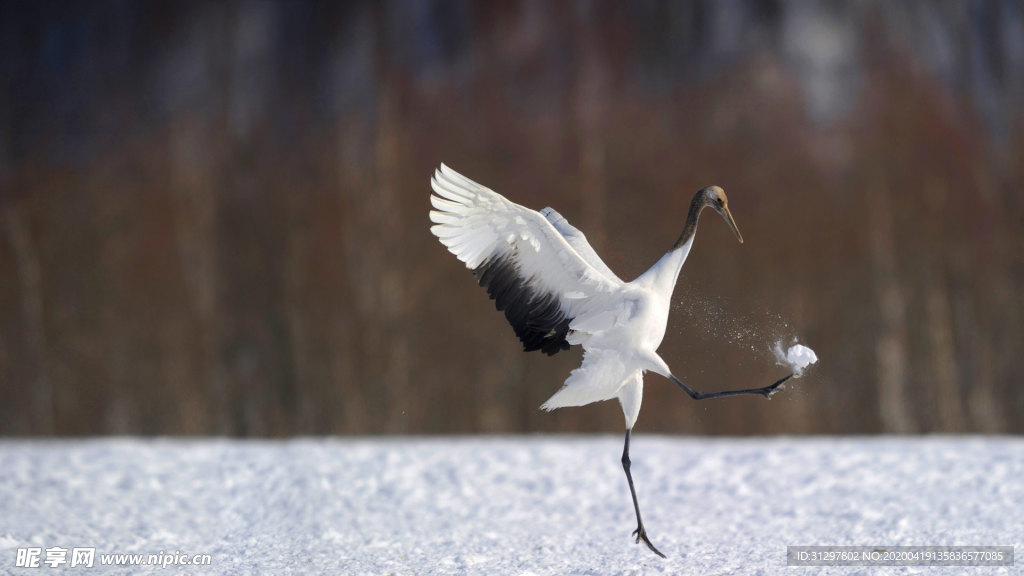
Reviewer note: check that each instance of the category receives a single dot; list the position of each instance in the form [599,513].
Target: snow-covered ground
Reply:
[505,505]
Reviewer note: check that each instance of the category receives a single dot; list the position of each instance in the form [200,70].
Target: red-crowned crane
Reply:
[556,292]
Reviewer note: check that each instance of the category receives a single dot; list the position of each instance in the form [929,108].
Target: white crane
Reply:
[556,292]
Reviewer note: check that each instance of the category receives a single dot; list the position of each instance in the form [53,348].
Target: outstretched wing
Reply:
[533,274]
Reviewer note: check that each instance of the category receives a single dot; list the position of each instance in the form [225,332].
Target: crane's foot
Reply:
[767,391]
[641,534]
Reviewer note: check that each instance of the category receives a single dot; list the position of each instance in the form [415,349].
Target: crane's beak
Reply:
[732,223]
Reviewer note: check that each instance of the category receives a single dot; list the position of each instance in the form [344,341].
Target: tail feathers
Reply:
[600,377]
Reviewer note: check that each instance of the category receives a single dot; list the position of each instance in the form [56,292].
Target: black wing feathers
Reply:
[535,315]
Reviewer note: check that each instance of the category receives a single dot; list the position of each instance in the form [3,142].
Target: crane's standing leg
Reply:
[767,391]
[640,532]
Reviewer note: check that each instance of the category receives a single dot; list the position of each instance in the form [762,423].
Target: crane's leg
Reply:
[640,532]
[767,391]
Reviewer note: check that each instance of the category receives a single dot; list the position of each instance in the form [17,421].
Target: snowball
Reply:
[798,357]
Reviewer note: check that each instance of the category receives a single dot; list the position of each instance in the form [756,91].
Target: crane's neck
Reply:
[686,237]
[663,275]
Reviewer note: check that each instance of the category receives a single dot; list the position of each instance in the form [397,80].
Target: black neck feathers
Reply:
[696,205]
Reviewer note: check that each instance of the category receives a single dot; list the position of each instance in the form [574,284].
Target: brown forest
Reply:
[213,215]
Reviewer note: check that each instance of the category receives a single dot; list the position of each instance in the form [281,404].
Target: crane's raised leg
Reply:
[640,532]
[767,391]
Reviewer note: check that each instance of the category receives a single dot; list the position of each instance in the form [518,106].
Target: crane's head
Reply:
[714,197]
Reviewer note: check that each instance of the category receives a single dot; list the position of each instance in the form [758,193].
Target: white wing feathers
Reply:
[532,271]
[578,241]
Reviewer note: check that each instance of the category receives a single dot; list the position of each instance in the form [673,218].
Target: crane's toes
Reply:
[775,387]
[641,534]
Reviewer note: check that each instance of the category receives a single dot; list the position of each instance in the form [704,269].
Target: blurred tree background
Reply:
[213,215]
